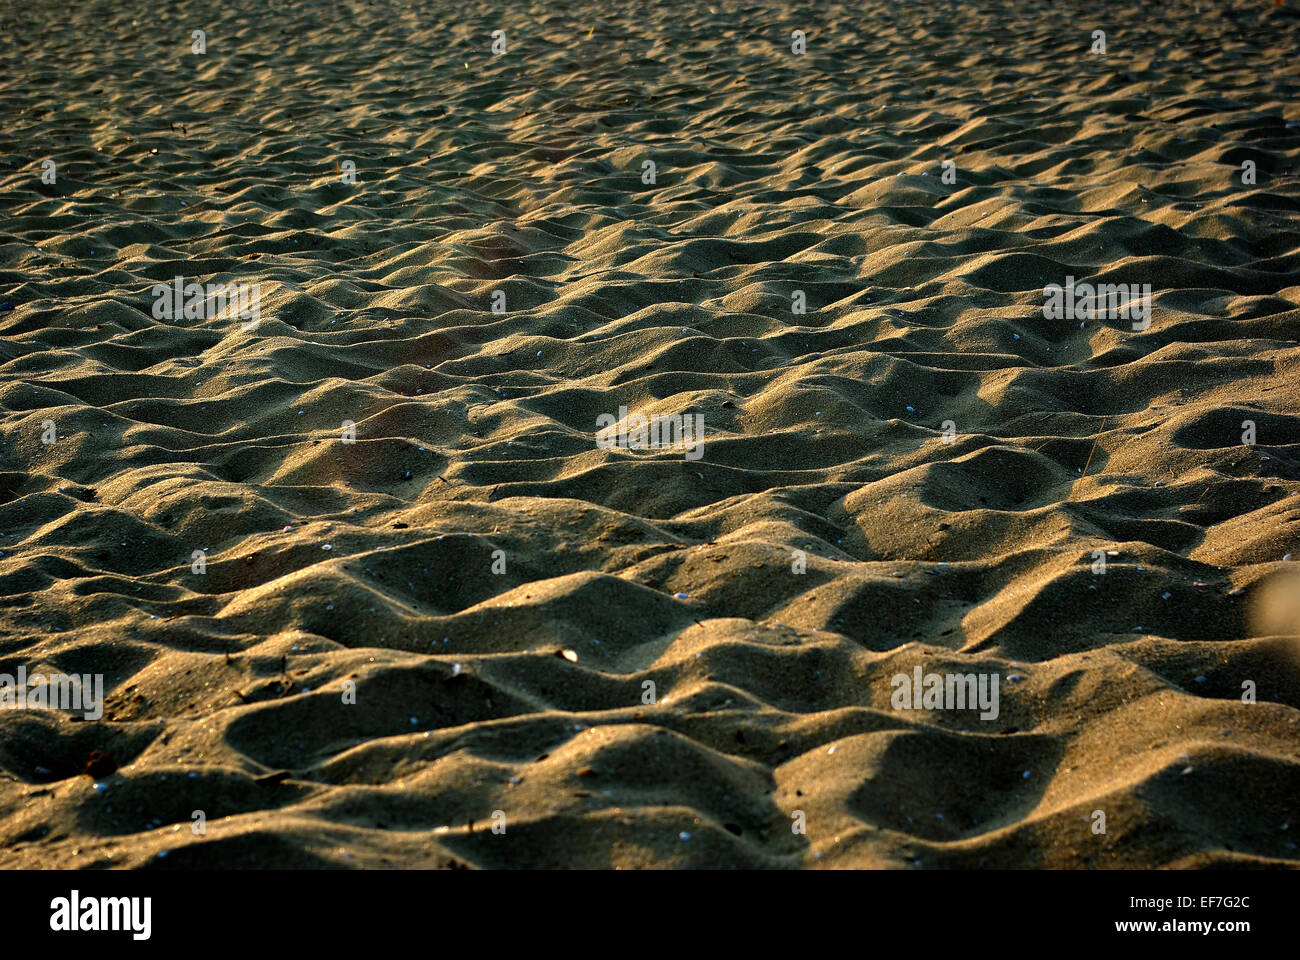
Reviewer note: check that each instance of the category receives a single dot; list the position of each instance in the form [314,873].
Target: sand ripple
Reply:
[370,564]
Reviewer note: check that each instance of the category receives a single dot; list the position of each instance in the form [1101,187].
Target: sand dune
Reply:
[387,487]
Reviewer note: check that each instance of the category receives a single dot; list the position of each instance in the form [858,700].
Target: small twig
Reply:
[1094,449]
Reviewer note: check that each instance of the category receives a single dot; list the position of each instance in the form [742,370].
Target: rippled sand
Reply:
[495,589]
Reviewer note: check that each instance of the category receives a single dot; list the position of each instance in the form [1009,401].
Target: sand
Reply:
[431,647]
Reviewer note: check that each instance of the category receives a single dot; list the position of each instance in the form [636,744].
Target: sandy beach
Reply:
[595,435]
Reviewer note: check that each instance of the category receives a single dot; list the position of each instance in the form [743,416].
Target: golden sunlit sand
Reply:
[418,566]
